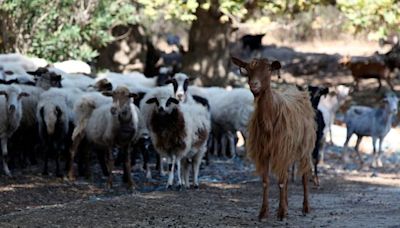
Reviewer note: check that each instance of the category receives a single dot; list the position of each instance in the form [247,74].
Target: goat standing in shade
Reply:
[374,122]
[281,131]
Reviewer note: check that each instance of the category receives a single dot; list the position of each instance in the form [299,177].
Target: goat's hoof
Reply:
[282,213]
[306,210]
[196,187]
[263,215]
[168,187]
[180,187]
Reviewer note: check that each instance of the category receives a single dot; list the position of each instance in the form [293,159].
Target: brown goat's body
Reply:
[282,131]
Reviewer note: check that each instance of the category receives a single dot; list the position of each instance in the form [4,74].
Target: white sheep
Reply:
[10,118]
[73,67]
[55,115]
[175,133]
[108,126]
[27,63]
[14,73]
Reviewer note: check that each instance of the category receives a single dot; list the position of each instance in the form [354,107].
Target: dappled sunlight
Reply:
[223,186]
[389,180]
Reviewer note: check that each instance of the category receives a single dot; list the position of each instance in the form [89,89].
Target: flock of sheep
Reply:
[53,110]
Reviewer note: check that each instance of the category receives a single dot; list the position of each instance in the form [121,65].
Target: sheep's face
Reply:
[391,103]
[50,114]
[102,85]
[163,104]
[13,97]
[180,82]
[258,72]
[15,73]
[122,99]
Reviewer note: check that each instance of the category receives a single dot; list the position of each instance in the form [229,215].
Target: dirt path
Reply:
[229,196]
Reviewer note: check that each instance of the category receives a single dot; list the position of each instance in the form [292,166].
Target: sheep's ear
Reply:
[238,62]
[133,95]
[168,81]
[3,93]
[173,100]
[58,111]
[325,91]
[275,65]
[107,93]
[151,100]
[24,94]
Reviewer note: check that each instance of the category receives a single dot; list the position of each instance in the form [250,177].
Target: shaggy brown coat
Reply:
[280,131]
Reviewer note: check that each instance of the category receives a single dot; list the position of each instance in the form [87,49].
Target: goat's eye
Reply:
[243,71]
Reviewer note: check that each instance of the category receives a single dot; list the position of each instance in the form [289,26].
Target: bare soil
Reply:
[229,195]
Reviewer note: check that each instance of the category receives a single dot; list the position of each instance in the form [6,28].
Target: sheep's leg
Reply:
[379,162]
[316,178]
[110,166]
[5,156]
[306,205]
[196,168]
[72,152]
[146,159]
[185,172]
[127,167]
[359,138]
[171,172]
[224,142]
[232,145]
[356,85]
[282,210]
[216,145]
[265,206]
[293,171]
[179,173]
[46,161]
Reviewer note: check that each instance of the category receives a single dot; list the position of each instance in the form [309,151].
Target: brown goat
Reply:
[281,131]
[367,69]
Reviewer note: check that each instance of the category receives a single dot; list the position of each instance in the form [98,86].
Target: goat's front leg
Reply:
[179,173]
[375,155]
[265,206]
[379,160]
[171,173]
[283,208]
[359,138]
[5,156]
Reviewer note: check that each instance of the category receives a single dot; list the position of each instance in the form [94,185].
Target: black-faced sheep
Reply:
[175,133]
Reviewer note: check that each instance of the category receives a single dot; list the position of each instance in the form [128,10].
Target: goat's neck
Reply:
[265,106]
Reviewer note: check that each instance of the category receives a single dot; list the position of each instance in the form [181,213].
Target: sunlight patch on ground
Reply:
[391,180]
[223,185]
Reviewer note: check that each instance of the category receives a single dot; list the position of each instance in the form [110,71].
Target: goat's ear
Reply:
[107,93]
[133,95]
[238,62]
[275,65]
[151,100]
[325,91]
[24,94]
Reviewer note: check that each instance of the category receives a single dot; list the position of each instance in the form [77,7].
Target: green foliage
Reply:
[379,18]
[63,29]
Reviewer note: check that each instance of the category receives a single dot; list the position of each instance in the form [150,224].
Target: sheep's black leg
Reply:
[5,156]
[265,207]
[380,84]
[127,167]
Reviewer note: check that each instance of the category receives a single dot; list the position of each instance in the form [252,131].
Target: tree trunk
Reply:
[208,55]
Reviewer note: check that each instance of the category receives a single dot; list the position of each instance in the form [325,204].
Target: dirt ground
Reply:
[229,195]
[230,192]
